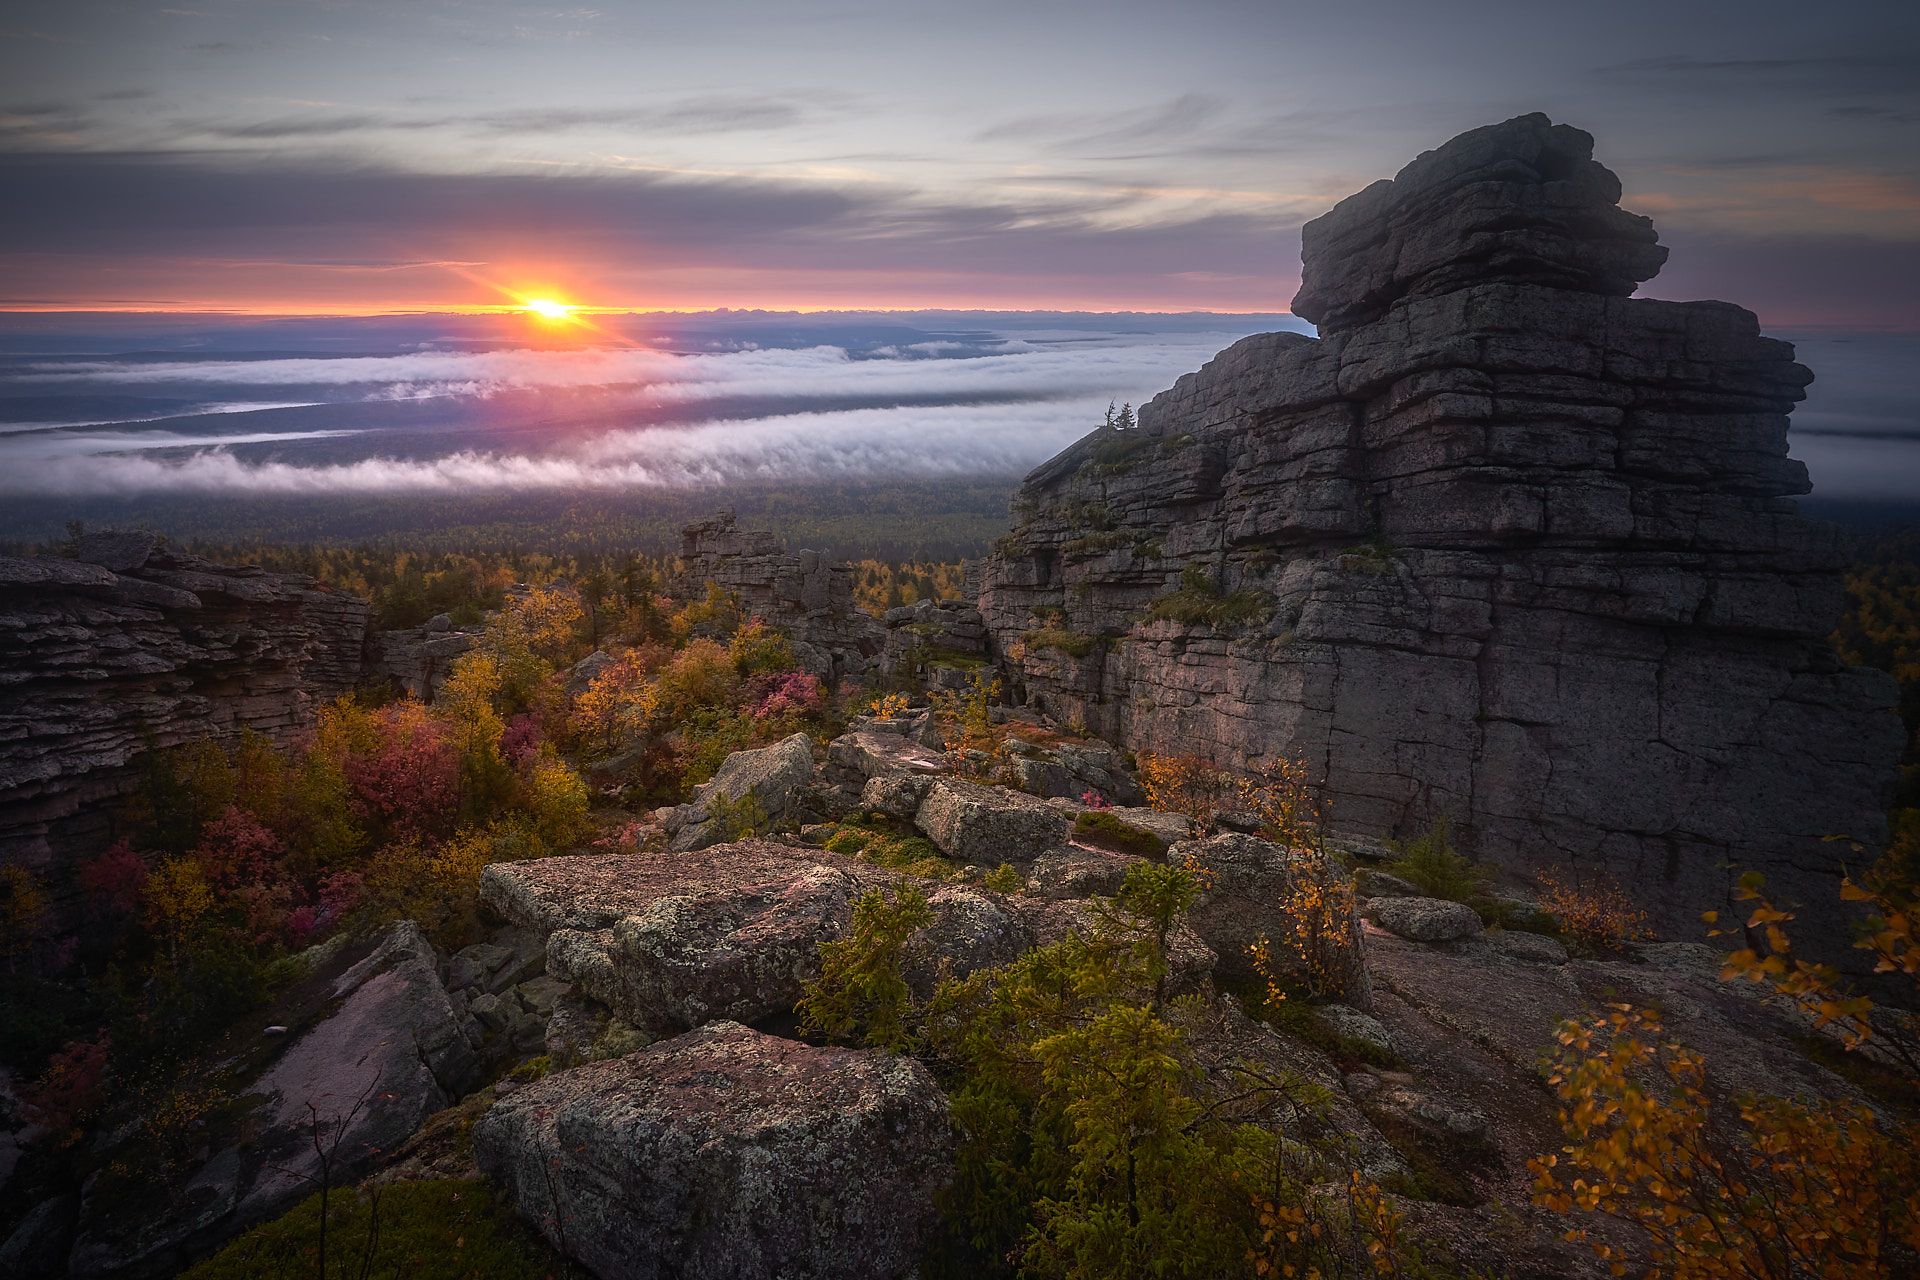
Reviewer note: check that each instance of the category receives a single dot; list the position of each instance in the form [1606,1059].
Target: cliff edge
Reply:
[1503,545]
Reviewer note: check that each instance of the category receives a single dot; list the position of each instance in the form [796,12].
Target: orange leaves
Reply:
[1277,795]
[1780,1189]
[1597,916]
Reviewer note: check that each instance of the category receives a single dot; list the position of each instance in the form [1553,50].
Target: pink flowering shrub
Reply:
[785,693]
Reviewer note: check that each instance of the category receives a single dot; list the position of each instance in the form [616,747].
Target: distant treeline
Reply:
[892,520]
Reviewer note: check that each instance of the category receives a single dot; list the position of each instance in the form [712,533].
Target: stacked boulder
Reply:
[1504,545]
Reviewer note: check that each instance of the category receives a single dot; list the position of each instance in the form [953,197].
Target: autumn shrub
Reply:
[556,801]
[1277,795]
[72,1089]
[1753,1186]
[1777,1188]
[784,696]
[1319,943]
[616,706]
[699,677]
[717,613]
[1596,917]
[237,849]
[409,783]
[112,884]
[965,721]
[757,649]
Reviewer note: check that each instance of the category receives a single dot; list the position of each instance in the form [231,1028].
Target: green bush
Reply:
[1072,643]
[440,1230]
[1431,864]
[1198,601]
[1100,828]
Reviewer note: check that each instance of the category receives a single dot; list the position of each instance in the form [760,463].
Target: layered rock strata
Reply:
[127,647]
[1504,545]
[803,592]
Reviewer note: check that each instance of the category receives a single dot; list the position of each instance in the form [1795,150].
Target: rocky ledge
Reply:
[1503,545]
[124,647]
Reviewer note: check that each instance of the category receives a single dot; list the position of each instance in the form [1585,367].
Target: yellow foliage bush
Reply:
[1596,917]
[1792,1190]
[1761,1188]
[1277,794]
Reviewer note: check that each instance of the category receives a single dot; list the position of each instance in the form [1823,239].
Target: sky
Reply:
[341,156]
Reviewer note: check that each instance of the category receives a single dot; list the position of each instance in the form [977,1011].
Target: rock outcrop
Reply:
[126,647]
[728,1153]
[1503,544]
[803,593]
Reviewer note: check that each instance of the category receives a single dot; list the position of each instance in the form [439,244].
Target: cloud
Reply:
[992,414]
[199,214]
[861,444]
[704,114]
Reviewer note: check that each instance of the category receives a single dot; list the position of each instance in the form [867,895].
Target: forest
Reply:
[1087,1147]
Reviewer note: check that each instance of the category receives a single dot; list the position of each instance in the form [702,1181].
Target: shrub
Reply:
[72,1089]
[1596,918]
[22,913]
[1277,794]
[113,883]
[1320,938]
[1100,828]
[430,1230]
[1780,1188]
[556,801]
[1431,864]
[785,695]
[1199,602]
[1755,1186]
[757,649]
[409,783]
[860,991]
[1072,643]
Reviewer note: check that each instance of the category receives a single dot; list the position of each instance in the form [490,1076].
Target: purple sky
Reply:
[338,155]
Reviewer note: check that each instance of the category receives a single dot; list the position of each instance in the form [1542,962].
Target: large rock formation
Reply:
[1503,544]
[803,592]
[127,647]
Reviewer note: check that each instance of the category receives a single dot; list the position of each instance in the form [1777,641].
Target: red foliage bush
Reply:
[72,1088]
[785,693]
[410,781]
[113,883]
[522,739]
[237,849]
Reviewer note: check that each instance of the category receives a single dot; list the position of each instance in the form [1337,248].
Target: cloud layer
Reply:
[992,414]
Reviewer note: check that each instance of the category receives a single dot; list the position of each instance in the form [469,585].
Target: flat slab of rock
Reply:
[387,1050]
[728,1153]
[989,825]
[1425,919]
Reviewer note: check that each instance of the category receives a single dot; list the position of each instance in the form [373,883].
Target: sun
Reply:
[548,308]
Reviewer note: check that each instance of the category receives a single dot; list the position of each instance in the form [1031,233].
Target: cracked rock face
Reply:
[129,647]
[728,1153]
[802,592]
[1504,545]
